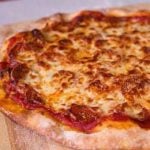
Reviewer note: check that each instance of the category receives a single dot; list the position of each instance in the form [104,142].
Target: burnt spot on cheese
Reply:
[37,34]
[34,46]
[43,64]
[64,42]
[18,72]
[110,56]
[4,66]
[146,50]
[64,73]
[32,96]
[98,86]
[64,78]
[13,52]
[51,55]
[133,85]
[60,26]
[99,43]
[105,73]
[84,19]
[146,60]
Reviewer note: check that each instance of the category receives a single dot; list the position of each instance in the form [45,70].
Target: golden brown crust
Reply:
[131,138]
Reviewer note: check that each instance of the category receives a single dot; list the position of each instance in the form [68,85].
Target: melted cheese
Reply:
[76,58]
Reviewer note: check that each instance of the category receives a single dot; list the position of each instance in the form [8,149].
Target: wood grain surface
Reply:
[4,137]
[15,137]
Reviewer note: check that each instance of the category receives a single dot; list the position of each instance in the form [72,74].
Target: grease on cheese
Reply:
[71,61]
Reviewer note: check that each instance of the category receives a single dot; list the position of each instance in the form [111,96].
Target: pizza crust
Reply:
[131,138]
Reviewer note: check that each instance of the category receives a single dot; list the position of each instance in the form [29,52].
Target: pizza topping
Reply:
[84,71]
[32,96]
[133,85]
[4,66]
[15,50]
[83,56]
[118,116]
[144,124]
[83,113]
[64,43]
[37,33]
[19,38]
[146,50]
[146,60]
[82,19]
[64,75]
[24,95]
[19,71]
[33,46]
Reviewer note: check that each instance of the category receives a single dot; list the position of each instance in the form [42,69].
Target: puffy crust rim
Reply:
[131,138]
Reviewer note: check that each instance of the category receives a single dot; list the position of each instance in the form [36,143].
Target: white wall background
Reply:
[19,10]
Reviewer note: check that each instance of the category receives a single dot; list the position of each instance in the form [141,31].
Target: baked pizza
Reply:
[83,79]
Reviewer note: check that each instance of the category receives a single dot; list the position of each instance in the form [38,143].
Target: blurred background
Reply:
[20,10]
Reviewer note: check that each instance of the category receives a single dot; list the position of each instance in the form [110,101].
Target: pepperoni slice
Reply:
[80,117]
[85,116]
[4,66]
[82,113]
[24,95]
[12,53]
[19,72]
[32,96]
[118,116]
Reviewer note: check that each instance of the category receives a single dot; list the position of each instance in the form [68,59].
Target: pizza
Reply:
[83,79]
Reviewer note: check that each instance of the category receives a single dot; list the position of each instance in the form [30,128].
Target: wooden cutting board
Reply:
[4,137]
[15,137]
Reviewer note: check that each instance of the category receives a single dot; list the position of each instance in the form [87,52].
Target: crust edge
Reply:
[132,138]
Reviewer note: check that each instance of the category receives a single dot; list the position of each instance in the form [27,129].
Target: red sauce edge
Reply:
[66,119]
